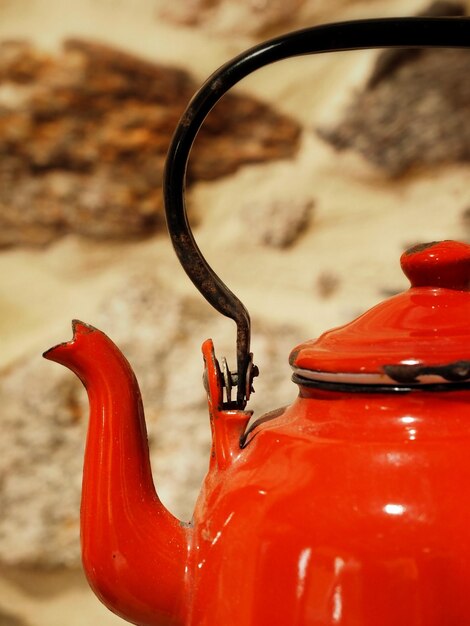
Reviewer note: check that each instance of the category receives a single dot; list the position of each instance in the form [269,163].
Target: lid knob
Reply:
[438,264]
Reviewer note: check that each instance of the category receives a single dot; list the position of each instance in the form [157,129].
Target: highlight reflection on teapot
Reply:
[350,506]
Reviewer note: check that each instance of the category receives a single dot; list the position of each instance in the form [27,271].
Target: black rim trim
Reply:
[353,388]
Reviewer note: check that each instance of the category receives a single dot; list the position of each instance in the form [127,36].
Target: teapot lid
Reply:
[421,336]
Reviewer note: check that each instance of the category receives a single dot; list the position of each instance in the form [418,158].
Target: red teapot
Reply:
[348,507]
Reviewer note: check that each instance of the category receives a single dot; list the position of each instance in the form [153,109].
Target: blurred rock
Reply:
[8,619]
[251,17]
[390,60]
[277,223]
[40,465]
[414,111]
[83,137]
[465,221]
[225,16]
[327,284]
[44,415]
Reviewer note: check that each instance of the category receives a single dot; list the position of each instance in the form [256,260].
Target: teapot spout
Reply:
[134,551]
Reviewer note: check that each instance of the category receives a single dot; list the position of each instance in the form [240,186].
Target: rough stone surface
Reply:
[327,284]
[414,111]
[465,221]
[44,416]
[8,619]
[83,137]
[390,60]
[277,223]
[244,16]
[250,17]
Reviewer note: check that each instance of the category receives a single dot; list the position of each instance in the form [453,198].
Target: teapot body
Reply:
[346,508]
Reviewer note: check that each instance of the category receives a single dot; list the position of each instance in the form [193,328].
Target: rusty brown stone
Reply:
[83,137]
[9,619]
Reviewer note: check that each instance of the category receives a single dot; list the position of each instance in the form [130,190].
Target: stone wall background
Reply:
[305,222]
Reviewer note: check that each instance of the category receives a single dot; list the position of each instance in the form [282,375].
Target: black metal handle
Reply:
[408,32]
